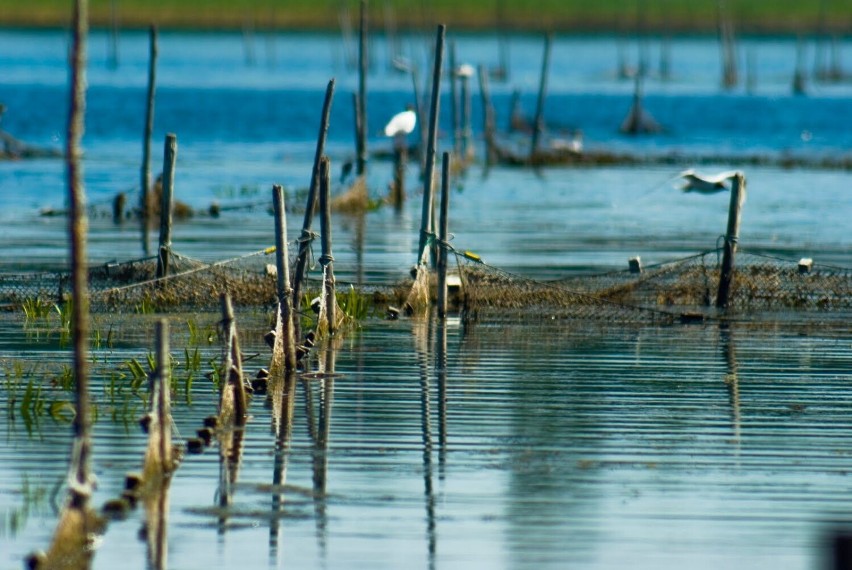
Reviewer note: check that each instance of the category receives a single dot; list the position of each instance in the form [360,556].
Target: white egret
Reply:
[401,124]
[703,184]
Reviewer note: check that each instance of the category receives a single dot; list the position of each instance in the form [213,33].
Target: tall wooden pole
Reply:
[732,236]
[164,249]
[443,234]
[538,127]
[310,208]
[145,181]
[326,259]
[362,91]
[285,306]
[426,212]
[80,477]
[454,101]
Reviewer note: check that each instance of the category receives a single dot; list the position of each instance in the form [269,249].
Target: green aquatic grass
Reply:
[608,15]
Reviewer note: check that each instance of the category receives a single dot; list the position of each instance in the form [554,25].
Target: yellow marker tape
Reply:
[270,249]
[472,256]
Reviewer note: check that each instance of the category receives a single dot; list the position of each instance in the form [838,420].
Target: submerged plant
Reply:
[35,308]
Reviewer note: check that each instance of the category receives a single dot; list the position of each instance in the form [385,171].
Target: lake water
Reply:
[537,444]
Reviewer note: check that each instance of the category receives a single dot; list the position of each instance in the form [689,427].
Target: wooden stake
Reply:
[454,101]
[326,259]
[232,370]
[538,126]
[145,181]
[400,161]
[487,116]
[306,236]
[285,306]
[162,395]
[169,157]
[443,234]
[732,236]
[426,212]
[362,91]
[80,478]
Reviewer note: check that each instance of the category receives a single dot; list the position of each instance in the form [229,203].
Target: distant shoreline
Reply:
[661,17]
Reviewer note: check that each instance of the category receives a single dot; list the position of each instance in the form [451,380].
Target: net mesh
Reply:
[662,292]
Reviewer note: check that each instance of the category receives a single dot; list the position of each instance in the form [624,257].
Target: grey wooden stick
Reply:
[310,208]
[538,127]
[443,253]
[362,90]
[285,306]
[732,237]
[145,181]
[169,158]
[327,259]
[426,212]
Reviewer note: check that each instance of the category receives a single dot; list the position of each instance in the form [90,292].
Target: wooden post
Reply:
[732,236]
[443,253]
[454,101]
[359,130]
[487,115]
[426,212]
[418,106]
[362,91]
[326,259]
[80,476]
[306,236]
[466,112]
[232,371]
[285,307]
[145,181]
[538,126]
[169,157]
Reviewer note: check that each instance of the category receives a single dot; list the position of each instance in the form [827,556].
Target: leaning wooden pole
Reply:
[164,249]
[443,233]
[426,212]
[145,181]
[285,305]
[732,236]
[538,126]
[362,91]
[81,479]
[454,101]
[327,259]
[307,236]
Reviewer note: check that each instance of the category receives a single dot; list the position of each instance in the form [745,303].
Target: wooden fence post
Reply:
[164,250]
[732,236]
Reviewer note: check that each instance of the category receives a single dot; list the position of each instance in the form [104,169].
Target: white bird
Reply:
[465,70]
[401,123]
[694,182]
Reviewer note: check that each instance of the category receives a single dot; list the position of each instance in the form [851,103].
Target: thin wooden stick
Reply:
[310,208]
[285,306]
[362,91]
[487,116]
[426,212]
[145,181]
[443,254]
[81,476]
[538,127]
[164,250]
[327,260]
[732,237]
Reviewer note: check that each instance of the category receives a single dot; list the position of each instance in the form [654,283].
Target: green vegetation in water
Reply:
[523,15]
[197,335]
[36,309]
[35,499]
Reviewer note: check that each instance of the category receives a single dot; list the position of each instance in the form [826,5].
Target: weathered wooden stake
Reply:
[362,91]
[145,182]
[418,107]
[326,259]
[454,101]
[466,112]
[285,305]
[232,370]
[443,234]
[732,236]
[169,157]
[306,235]
[487,116]
[81,478]
[426,212]
[538,126]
